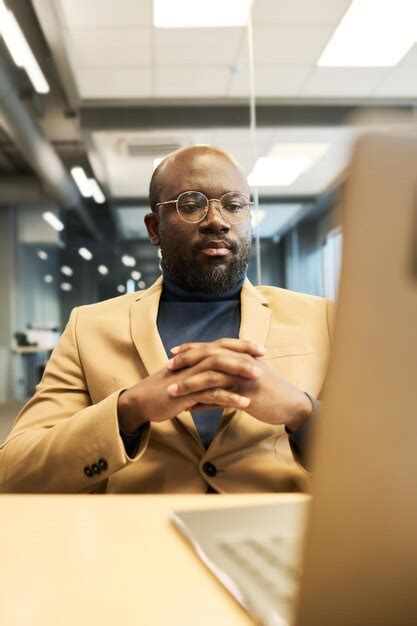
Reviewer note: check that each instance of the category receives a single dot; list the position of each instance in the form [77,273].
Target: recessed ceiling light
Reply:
[19,49]
[85,253]
[53,221]
[372,34]
[48,278]
[66,270]
[136,275]
[141,284]
[42,255]
[103,269]
[66,286]
[128,260]
[200,13]
[285,163]
[121,288]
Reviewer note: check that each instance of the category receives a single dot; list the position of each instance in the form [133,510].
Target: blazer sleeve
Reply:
[61,442]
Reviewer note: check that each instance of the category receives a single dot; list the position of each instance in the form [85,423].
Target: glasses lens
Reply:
[235,207]
[192,206]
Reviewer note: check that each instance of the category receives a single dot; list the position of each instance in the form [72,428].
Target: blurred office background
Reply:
[104,88]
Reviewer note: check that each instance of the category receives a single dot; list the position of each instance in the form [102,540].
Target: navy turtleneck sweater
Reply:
[186,316]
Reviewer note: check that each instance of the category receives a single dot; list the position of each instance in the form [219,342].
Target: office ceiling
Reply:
[122,90]
[115,52]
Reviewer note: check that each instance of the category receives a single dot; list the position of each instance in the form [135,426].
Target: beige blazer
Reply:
[71,421]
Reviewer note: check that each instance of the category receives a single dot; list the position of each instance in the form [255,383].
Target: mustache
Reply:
[203,243]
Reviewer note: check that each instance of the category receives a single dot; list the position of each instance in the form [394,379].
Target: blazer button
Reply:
[95,468]
[88,471]
[103,465]
[209,469]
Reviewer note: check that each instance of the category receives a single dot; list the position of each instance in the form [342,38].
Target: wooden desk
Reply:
[108,560]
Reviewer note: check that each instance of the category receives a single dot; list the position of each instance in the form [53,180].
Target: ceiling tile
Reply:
[270,81]
[342,82]
[299,11]
[110,47]
[107,13]
[201,46]
[400,82]
[114,83]
[290,45]
[179,82]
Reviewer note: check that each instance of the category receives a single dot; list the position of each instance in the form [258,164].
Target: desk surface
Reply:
[108,560]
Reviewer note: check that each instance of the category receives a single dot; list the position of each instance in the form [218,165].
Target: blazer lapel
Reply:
[255,314]
[145,336]
[143,314]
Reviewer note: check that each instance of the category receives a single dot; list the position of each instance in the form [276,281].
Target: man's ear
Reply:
[152,225]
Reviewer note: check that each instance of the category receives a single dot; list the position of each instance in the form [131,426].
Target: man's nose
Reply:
[214,220]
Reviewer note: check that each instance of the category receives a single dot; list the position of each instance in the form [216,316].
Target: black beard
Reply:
[217,277]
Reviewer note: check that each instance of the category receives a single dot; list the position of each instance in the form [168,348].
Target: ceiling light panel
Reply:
[82,181]
[19,49]
[372,33]
[200,13]
[285,163]
[85,253]
[53,221]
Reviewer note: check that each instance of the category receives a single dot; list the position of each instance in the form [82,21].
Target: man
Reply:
[227,411]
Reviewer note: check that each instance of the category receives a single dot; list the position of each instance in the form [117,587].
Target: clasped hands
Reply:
[222,373]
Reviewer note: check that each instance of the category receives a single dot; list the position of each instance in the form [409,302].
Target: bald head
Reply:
[197,162]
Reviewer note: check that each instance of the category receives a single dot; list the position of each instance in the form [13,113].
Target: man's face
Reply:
[187,249]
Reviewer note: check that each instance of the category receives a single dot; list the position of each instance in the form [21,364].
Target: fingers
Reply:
[238,345]
[226,363]
[216,397]
[201,382]
[215,357]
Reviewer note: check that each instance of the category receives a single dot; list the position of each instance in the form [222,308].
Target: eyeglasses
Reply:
[193,206]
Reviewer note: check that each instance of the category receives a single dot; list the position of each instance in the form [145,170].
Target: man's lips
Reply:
[215,248]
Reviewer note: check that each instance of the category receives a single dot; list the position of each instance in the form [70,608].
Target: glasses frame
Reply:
[219,200]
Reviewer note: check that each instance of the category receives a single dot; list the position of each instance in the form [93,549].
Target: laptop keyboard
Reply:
[271,563]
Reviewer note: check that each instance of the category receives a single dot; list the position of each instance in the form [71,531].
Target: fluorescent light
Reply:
[66,270]
[200,13]
[88,187]
[136,275]
[48,278]
[103,269]
[96,192]
[83,183]
[19,49]
[141,284]
[53,221]
[85,253]
[128,260]
[372,33]
[42,255]
[66,286]
[121,288]
[285,163]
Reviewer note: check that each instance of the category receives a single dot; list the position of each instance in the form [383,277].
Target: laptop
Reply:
[350,556]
